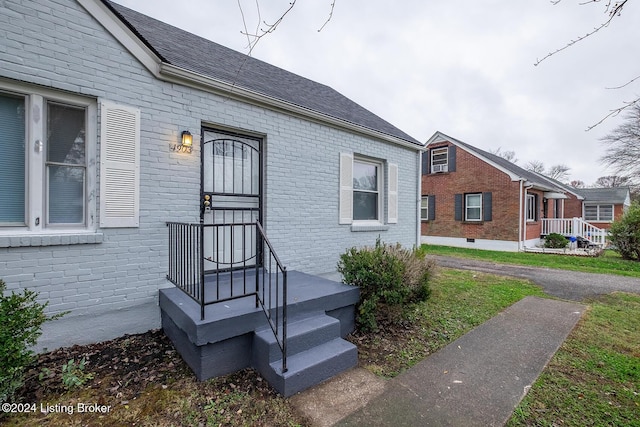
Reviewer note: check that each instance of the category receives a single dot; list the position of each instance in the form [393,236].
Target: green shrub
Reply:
[555,241]
[21,319]
[625,234]
[389,277]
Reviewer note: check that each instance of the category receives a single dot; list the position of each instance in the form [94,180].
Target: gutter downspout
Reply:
[520,210]
[419,198]
[523,218]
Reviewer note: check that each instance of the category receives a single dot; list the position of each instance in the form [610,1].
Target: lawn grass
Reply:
[594,379]
[607,263]
[459,301]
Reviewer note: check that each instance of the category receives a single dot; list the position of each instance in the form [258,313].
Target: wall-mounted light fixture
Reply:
[186,143]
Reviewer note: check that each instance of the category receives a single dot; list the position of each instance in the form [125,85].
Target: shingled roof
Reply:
[615,195]
[199,55]
[532,178]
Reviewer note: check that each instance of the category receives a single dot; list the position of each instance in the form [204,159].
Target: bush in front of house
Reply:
[555,241]
[21,320]
[625,233]
[389,277]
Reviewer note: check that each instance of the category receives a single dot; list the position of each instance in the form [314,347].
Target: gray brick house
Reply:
[94,102]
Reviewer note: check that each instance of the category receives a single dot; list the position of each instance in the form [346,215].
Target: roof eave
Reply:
[162,70]
[538,186]
[107,17]
[175,74]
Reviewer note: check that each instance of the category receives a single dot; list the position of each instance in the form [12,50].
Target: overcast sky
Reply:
[463,67]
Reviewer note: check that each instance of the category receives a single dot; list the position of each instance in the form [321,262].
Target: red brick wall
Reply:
[572,207]
[534,228]
[472,175]
[618,211]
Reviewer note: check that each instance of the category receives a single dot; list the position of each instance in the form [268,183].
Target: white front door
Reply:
[231,199]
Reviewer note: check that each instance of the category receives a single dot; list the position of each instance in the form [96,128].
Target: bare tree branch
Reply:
[507,154]
[615,112]
[254,38]
[624,85]
[535,166]
[611,181]
[244,23]
[558,172]
[333,5]
[612,9]
[623,145]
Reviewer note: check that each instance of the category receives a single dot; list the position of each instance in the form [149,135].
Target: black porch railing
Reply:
[213,263]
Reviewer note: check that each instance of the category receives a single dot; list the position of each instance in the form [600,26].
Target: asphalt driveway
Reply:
[568,285]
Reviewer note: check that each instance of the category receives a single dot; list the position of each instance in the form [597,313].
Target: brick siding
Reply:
[58,45]
[472,175]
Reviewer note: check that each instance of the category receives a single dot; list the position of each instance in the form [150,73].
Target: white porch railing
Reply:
[574,227]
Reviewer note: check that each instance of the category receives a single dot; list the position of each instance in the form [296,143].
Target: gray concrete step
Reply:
[313,366]
[303,333]
[315,352]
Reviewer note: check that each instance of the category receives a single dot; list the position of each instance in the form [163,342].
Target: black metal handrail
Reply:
[276,315]
[214,278]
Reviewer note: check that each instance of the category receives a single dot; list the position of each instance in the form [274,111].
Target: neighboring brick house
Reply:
[94,101]
[600,206]
[472,198]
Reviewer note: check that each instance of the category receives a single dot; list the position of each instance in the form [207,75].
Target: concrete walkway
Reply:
[476,380]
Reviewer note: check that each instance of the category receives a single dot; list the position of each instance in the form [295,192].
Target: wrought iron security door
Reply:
[231,199]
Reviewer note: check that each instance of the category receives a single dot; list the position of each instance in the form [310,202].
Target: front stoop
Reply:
[235,334]
[315,353]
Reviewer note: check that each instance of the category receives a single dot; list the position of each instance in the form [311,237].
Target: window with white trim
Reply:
[439,159]
[367,187]
[531,207]
[424,208]
[473,207]
[367,197]
[46,139]
[12,161]
[597,212]
[66,165]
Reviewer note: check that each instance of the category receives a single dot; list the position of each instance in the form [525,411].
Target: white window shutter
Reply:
[119,166]
[346,188]
[392,208]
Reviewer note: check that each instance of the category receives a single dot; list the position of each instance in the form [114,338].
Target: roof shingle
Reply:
[188,51]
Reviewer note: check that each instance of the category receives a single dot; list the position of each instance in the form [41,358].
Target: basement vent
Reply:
[471,240]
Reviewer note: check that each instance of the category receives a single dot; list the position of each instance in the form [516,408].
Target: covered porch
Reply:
[577,228]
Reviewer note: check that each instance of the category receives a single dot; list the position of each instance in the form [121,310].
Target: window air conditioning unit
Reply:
[439,168]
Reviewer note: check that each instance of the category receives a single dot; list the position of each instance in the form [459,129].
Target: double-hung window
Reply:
[367,181]
[12,160]
[473,207]
[46,139]
[424,208]
[368,189]
[440,159]
[66,165]
[595,212]
[531,207]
